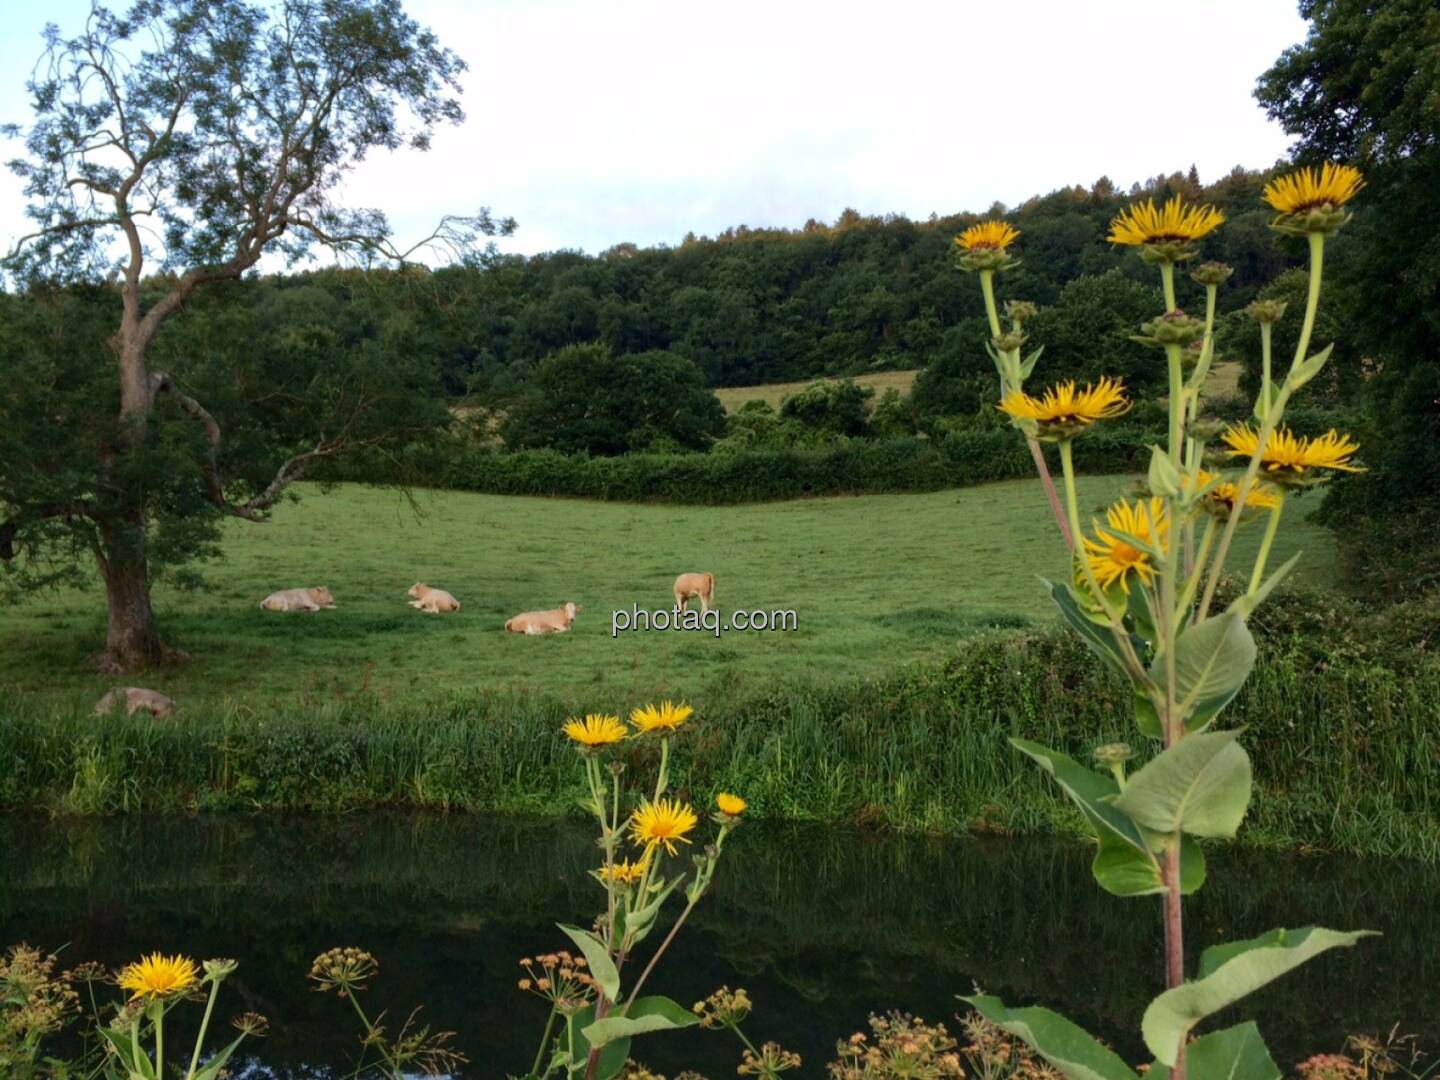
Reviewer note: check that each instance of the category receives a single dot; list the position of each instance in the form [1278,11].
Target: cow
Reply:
[299,600]
[555,621]
[136,700]
[432,601]
[701,586]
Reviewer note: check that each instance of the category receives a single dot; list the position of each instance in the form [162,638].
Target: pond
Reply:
[821,926]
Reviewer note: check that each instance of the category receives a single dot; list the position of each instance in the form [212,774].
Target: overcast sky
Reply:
[600,121]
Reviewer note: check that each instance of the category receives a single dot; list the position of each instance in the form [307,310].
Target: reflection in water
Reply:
[821,926]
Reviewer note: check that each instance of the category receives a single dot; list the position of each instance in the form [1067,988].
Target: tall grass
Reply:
[1347,761]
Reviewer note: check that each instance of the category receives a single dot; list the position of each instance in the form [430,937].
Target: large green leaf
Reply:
[602,968]
[1212,662]
[1123,871]
[213,1068]
[612,1055]
[1240,971]
[1200,786]
[639,1017]
[1068,1047]
[1098,636]
[1123,865]
[1237,1053]
[1146,718]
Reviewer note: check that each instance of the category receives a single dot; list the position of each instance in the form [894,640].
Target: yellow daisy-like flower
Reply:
[662,824]
[1064,412]
[1221,498]
[624,873]
[1288,456]
[1330,186]
[667,717]
[596,729]
[988,235]
[1144,224]
[157,976]
[1113,559]
[730,805]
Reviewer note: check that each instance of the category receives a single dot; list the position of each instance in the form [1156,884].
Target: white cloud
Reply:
[600,122]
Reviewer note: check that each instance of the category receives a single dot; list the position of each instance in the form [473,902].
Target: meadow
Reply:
[875,581]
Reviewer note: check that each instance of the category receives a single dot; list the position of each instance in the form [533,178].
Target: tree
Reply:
[584,399]
[195,137]
[837,407]
[1362,87]
[1088,333]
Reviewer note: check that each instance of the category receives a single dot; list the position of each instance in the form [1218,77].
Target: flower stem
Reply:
[1048,483]
[1177,402]
[544,1039]
[1270,529]
[987,286]
[1312,299]
[159,1038]
[1167,279]
[204,1025]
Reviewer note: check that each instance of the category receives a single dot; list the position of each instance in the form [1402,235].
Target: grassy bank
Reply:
[875,581]
[1344,756]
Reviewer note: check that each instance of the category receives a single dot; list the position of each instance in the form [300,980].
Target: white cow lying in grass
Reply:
[555,621]
[136,700]
[700,586]
[299,600]
[432,601]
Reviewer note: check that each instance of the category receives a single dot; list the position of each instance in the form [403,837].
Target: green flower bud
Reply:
[1205,428]
[1266,311]
[1211,273]
[1009,342]
[1325,218]
[1172,328]
[1167,251]
[993,259]
[1020,311]
[1115,753]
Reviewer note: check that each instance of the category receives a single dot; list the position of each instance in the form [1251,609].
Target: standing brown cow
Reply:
[701,586]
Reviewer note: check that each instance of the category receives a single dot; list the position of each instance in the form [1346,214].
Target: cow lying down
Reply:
[136,699]
[433,601]
[299,600]
[555,621]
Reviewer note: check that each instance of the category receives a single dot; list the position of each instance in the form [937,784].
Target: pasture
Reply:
[875,581]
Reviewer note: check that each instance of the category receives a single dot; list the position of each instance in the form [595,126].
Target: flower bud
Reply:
[1115,753]
[1266,311]
[1211,273]
[992,259]
[1205,428]
[1172,328]
[1320,219]
[1020,311]
[1010,342]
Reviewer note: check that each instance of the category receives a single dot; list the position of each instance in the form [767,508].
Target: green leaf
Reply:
[1173,1015]
[1063,1044]
[1120,863]
[642,920]
[1269,396]
[1146,718]
[1212,662]
[1237,1053]
[602,968]
[1029,365]
[1121,870]
[1307,369]
[212,1068]
[1247,604]
[1099,637]
[1164,477]
[1137,606]
[612,1055]
[640,1017]
[1200,786]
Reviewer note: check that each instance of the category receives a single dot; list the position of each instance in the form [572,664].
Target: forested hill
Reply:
[768,305]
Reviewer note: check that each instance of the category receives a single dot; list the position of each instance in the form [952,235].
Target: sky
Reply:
[597,122]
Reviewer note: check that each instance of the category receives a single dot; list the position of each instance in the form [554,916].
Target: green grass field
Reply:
[875,581]
[732,397]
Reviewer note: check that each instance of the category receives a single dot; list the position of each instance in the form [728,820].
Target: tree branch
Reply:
[9,529]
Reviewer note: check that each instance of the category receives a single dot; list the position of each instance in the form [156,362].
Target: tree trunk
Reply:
[132,640]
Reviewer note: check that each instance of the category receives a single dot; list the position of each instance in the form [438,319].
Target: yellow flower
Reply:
[1143,224]
[991,235]
[624,873]
[1289,456]
[1222,496]
[730,805]
[667,717]
[1063,412]
[596,730]
[662,824]
[157,976]
[1307,189]
[1112,558]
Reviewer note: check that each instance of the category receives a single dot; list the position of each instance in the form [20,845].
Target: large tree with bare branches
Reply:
[173,146]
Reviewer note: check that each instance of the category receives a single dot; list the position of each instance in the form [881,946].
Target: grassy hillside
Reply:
[875,581]
[732,397]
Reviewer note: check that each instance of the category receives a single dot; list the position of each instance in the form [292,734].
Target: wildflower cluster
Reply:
[560,979]
[899,1047]
[343,969]
[35,1002]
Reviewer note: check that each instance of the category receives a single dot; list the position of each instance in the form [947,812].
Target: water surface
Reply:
[820,926]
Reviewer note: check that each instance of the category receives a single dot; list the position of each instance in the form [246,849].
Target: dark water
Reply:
[820,926]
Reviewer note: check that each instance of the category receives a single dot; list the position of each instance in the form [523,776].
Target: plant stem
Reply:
[1270,529]
[204,1025]
[1049,484]
[1174,940]
[1167,279]
[159,1040]
[1312,299]
[1177,401]
[544,1039]
[987,286]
